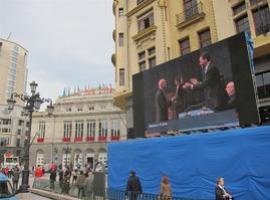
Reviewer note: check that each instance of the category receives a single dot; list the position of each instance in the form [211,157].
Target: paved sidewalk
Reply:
[30,196]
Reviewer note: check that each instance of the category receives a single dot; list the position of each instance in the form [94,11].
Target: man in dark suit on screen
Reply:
[211,84]
[161,102]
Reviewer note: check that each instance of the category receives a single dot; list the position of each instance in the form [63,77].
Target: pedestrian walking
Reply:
[52,178]
[134,187]
[80,184]
[165,189]
[66,181]
[74,176]
[61,177]
[15,178]
[89,186]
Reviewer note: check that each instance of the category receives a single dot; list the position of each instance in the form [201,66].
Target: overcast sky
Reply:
[69,41]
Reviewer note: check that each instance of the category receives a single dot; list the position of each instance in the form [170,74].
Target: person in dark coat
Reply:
[211,84]
[179,100]
[221,192]
[52,178]
[134,187]
[230,89]
[61,177]
[15,178]
[161,102]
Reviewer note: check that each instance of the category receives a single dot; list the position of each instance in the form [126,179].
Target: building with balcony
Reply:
[13,78]
[78,130]
[151,32]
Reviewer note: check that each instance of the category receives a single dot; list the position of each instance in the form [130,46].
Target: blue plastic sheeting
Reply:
[194,162]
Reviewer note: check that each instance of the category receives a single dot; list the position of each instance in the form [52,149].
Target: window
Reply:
[115,128]
[67,129]
[262,20]
[91,108]
[190,7]
[6,121]
[242,24]
[18,142]
[145,21]
[139,1]
[252,2]
[150,58]
[239,8]
[79,109]
[19,132]
[121,39]
[152,62]
[79,129]
[122,77]
[142,66]
[103,128]
[121,12]
[184,46]
[141,55]
[41,129]
[263,84]
[205,38]
[151,51]
[91,128]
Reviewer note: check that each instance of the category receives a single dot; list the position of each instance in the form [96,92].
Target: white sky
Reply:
[69,41]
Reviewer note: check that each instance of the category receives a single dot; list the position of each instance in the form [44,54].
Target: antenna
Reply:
[9,35]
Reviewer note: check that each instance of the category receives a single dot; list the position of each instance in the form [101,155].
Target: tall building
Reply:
[151,32]
[78,130]
[13,78]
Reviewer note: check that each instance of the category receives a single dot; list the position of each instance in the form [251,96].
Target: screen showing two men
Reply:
[196,90]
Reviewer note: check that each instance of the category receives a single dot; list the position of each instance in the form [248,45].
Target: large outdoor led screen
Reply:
[211,87]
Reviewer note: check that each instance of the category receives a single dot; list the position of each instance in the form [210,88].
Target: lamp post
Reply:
[31,103]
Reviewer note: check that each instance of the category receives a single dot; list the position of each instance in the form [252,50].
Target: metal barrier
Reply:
[113,194]
[110,194]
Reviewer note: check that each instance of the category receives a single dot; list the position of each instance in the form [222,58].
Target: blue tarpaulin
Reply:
[194,162]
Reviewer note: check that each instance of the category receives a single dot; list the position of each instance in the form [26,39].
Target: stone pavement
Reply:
[30,196]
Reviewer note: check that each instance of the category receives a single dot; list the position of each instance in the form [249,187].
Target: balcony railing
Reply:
[263,29]
[190,15]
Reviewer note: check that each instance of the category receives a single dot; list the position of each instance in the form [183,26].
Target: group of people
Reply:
[217,94]
[82,180]
[134,188]
[14,174]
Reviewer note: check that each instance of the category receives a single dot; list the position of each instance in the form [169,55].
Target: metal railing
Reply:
[111,194]
[190,13]
[263,29]
[114,194]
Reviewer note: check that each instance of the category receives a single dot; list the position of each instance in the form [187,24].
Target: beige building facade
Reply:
[13,78]
[77,132]
[150,32]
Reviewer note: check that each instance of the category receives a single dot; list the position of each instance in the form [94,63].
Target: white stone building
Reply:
[77,132]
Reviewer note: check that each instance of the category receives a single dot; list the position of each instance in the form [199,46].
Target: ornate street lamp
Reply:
[31,103]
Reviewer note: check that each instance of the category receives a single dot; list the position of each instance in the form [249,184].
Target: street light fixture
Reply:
[33,87]
[32,103]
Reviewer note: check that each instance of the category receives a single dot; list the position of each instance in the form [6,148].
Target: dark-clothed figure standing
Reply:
[80,184]
[89,186]
[211,85]
[161,102]
[230,90]
[66,181]
[221,192]
[179,100]
[52,178]
[61,177]
[15,178]
[134,187]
